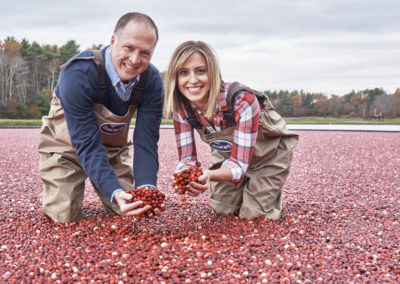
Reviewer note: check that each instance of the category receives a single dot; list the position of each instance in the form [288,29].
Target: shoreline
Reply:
[312,127]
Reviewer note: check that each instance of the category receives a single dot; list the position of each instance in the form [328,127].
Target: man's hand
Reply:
[129,209]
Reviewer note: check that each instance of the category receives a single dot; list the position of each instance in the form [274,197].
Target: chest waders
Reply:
[61,173]
[260,193]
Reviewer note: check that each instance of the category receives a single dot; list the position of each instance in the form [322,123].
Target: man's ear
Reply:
[113,39]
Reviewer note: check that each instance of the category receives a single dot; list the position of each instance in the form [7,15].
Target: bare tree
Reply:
[54,70]
[385,105]
[13,69]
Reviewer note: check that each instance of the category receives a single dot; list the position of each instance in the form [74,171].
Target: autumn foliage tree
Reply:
[29,73]
[26,69]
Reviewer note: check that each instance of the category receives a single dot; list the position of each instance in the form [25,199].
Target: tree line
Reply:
[29,72]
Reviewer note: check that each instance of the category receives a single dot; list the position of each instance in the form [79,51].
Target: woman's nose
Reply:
[193,77]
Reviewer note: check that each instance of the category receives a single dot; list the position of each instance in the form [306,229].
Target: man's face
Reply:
[132,48]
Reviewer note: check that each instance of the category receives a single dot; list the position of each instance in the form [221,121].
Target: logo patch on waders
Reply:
[221,145]
[112,128]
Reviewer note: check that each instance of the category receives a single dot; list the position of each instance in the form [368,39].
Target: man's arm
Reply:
[147,131]
[77,90]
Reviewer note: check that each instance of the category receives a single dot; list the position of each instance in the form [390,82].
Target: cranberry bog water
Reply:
[340,222]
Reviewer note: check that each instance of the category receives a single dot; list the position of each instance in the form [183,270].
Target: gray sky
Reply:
[330,46]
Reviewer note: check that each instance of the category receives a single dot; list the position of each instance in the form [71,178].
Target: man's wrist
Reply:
[147,185]
[112,196]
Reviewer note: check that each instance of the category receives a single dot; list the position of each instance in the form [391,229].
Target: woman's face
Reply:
[193,80]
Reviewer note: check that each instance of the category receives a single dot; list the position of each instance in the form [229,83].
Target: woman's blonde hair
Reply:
[174,100]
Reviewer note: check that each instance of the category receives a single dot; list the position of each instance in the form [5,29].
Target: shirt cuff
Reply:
[148,185]
[185,162]
[236,170]
[112,196]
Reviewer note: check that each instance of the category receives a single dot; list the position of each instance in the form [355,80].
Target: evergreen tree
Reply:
[68,50]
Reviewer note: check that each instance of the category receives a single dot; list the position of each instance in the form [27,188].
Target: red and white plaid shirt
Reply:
[247,114]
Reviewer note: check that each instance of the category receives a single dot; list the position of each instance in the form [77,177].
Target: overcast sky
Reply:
[328,46]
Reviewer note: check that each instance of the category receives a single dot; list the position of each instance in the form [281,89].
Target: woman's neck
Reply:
[202,107]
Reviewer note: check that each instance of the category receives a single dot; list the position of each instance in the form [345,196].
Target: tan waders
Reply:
[260,193]
[62,175]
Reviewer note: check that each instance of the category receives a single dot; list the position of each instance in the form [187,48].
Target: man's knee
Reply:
[62,214]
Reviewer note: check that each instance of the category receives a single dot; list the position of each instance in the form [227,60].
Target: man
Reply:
[86,131]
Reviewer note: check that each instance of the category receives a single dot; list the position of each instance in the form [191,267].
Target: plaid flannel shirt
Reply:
[247,113]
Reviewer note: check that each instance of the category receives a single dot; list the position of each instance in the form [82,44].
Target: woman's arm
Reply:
[247,115]
[185,142]
[219,175]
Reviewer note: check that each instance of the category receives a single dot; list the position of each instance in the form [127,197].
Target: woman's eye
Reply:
[183,73]
[201,71]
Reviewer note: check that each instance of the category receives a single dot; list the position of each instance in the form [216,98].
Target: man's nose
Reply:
[134,57]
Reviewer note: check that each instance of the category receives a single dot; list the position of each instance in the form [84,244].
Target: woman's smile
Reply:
[193,80]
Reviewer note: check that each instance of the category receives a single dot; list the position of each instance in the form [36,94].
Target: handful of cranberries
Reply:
[149,196]
[180,180]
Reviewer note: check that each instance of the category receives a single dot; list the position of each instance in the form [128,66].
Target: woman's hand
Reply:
[194,188]
[172,181]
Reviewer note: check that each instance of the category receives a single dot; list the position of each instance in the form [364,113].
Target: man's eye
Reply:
[146,54]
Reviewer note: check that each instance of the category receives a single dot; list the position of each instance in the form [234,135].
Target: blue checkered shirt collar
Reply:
[123,90]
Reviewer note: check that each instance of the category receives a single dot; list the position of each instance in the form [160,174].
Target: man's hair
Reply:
[138,18]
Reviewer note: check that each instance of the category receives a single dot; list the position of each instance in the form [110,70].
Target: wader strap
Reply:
[137,90]
[229,115]
[98,59]
[233,90]
[62,67]
[236,87]
[192,119]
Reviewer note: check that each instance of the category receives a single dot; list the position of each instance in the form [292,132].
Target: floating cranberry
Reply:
[180,180]
[339,224]
[149,196]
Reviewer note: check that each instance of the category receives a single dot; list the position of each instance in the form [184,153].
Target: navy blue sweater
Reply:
[78,89]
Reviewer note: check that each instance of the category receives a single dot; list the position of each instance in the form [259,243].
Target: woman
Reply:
[251,146]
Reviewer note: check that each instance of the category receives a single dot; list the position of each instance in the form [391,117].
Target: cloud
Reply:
[331,46]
